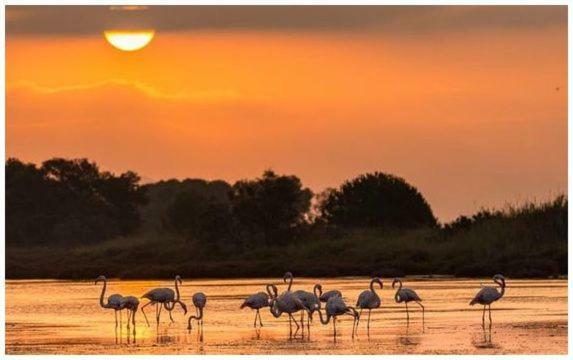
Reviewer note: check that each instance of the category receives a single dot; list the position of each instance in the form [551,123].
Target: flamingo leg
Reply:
[407,313]
[128,318]
[158,313]
[354,328]
[360,315]
[256,315]
[120,320]
[368,323]
[354,320]
[334,323]
[297,325]
[133,320]
[489,306]
[483,318]
[260,320]
[115,311]
[302,321]
[143,311]
[171,317]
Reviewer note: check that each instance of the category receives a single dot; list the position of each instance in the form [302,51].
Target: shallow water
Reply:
[64,317]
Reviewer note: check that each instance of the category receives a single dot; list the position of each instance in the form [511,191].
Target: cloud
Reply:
[83,20]
[143,88]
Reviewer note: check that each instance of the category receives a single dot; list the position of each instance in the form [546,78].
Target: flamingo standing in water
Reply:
[488,295]
[368,299]
[199,300]
[287,303]
[311,300]
[166,297]
[335,306]
[257,302]
[406,295]
[131,304]
[114,301]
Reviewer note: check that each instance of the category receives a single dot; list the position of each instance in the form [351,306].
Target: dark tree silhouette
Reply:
[271,207]
[376,200]
[201,211]
[31,204]
[69,201]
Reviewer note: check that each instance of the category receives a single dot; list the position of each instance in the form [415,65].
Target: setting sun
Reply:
[129,40]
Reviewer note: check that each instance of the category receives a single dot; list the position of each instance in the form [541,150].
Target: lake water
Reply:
[64,317]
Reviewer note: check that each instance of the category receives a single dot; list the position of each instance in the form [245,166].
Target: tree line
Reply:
[72,201]
[66,218]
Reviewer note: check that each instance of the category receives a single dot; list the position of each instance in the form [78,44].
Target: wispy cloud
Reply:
[212,95]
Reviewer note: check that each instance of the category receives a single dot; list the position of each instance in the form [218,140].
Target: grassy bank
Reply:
[529,241]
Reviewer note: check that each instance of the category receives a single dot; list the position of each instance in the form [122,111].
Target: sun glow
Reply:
[129,40]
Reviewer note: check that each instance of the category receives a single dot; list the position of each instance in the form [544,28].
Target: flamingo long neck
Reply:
[101,303]
[290,280]
[322,320]
[176,290]
[398,291]
[200,314]
[195,317]
[271,292]
[502,285]
[317,291]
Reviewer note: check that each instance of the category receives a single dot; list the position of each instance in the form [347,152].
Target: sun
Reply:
[127,40]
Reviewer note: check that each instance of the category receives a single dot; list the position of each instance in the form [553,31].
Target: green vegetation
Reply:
[263,227]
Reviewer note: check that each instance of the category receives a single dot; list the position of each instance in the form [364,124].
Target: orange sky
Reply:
[472,118]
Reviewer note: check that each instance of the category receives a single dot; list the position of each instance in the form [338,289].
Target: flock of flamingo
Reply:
[289,302]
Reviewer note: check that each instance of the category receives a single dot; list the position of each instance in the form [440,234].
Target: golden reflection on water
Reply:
[64,317]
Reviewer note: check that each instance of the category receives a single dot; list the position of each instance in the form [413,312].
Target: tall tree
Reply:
[201,211]
[269,208]
[376,200]
[69,201]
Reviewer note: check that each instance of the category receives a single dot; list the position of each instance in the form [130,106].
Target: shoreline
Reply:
[409,277]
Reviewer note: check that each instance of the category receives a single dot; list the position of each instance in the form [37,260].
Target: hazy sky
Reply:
[469,104]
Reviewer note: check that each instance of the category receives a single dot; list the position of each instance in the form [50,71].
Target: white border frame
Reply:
[259,2]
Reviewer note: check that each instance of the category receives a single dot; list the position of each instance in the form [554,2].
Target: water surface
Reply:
[64,317]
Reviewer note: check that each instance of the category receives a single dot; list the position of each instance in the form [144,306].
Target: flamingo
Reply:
[287,303]
[311,300]
[131,304]
[406,295]
[368,299]
[165,297]
[258,301]
[199,300]
[335,306]
[488,295]
[114,301]
[327,295]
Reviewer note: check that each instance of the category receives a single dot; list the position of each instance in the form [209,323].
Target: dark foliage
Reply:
[69,202]
[68,219]
[201,212]
[268,209]
[376,200]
